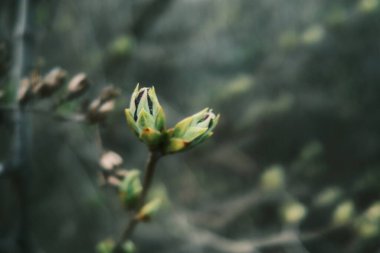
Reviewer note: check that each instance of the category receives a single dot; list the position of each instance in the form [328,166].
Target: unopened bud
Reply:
[192,131]
[146,117]
[77,86]
[149,209]
[50,83]
[109,92]
[130,188]
[110,160]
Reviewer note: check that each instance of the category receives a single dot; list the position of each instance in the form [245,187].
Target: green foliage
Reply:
[107,246]
[130,188]
[121,46]
[273,178]
[149,209]
[293,212]
[344,213]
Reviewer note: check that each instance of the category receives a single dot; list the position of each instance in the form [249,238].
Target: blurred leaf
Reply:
[368,5]
[129,247]
[344,213]
[328,196]
[130,188]
[273,178]
[105,246]
[121,46]
[289,39]
[237,86]
[373,212]
[369,223]
[108,245]
[262,109]
[367,229]
[293,212]
[149,209]
[313,34]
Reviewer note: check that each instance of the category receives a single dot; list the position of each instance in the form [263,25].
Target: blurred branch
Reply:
[198,237]
[148,178]
[219,216]
[23,44]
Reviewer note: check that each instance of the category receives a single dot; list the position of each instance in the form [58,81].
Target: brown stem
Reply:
[148,178]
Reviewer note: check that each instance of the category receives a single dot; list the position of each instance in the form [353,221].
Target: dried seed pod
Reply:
[110,160]
[77,86]
[51,82]
[107,107]
[109,92]
[98,111]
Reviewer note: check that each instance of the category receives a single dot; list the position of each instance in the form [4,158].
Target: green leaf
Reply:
[182,126]
[129,247]
[131,122]
[194,132]
[175,145]
[105,246]
[149,209]
[144,120]
[160,119]
[130,188]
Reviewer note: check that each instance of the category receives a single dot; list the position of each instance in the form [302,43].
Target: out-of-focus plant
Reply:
[146,119]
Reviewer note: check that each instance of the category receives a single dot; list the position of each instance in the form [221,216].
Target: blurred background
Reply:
[293,166]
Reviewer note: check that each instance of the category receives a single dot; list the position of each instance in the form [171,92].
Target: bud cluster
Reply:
[146,118]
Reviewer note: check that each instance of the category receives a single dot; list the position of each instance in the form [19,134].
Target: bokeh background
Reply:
[294,165]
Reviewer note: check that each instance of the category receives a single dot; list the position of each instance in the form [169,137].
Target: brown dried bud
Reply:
[97,111]
[110,160]
[107,107]
[109,92]
[94,106]
[77,86]
[50,83]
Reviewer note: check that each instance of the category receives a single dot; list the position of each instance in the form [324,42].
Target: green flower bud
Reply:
[130,189]
[149,209]
[145,116]
[192,131]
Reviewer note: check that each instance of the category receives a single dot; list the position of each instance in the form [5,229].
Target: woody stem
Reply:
[148,178]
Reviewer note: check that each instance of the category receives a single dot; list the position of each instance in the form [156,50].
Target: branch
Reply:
[148,178]
[201,238]
[218,216]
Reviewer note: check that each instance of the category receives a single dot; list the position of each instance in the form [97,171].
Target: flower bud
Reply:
[130,188]
[192,131]
[50,83]
[77,86]
[146,117]
[149,209]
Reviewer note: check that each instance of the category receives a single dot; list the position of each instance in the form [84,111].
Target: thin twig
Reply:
[148,178]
